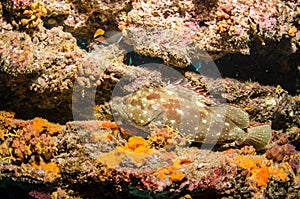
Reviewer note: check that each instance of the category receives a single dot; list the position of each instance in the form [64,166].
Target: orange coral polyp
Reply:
[173,172]
[137,144]
[110,125]
[51,168]
[260,170]
[261,176]
[39,125]
[178,176]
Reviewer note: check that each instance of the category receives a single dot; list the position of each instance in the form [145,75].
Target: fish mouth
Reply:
[121,114]
[118,109]
[122,118]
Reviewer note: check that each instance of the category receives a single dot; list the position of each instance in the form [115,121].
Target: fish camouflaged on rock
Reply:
[190,111]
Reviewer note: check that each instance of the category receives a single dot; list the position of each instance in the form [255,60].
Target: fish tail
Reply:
[259,136]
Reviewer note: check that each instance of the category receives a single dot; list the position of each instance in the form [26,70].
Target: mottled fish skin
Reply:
[188,112]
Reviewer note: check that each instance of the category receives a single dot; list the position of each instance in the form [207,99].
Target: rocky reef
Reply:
[57,163]
[60,139]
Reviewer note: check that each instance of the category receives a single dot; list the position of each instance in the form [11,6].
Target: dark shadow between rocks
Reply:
[272,65]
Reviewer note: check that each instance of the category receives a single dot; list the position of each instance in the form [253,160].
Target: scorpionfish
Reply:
[191,112]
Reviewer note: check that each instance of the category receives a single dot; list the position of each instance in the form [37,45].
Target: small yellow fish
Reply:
[99,32]
[99,36]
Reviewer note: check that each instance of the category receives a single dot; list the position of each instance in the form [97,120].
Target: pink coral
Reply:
[283,151]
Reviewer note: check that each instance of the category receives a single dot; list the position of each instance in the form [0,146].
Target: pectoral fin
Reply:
[237,116]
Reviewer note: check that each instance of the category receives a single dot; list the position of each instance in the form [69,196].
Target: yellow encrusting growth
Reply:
[51,169]
[137,149]
[40,125]
[137,144]
[173,172]
[261,170]
[33,15]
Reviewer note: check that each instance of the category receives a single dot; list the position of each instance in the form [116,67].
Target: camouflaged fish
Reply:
[191,112]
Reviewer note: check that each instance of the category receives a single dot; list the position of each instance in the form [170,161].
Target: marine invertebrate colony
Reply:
[33,15]
[21,141]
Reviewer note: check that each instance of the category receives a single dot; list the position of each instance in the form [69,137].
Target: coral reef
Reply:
[33,15]
[219,27]
[50,66]
[40,66]
[22,141]
[96,152]
[44,64]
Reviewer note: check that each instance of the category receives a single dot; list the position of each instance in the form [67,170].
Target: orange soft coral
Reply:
[260,169]
[40,125]
[172,172]
[51,169]
[137,144]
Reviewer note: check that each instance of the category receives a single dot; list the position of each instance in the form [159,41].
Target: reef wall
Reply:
[52,64]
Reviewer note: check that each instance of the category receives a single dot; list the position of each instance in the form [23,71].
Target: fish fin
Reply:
[259,136]
[237,116]
[113,36]
[101,40]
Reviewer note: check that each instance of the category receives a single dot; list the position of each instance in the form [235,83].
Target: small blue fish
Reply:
[130,61]
[195,67]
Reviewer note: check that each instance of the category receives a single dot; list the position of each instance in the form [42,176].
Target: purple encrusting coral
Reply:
[282,151]
[39,195]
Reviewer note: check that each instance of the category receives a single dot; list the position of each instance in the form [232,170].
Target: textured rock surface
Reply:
[90,156]
[49,60]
